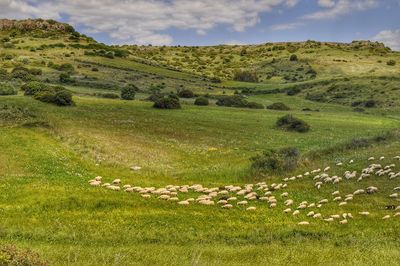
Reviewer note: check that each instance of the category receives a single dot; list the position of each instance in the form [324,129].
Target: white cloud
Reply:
[144,21]
[390,38]
[340,8]
[326,3]
[286,26]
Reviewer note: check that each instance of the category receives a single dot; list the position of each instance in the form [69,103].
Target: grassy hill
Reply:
[48,153]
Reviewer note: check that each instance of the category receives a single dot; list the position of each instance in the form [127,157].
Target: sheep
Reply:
[311,213]
[385,217]
[394,195]
[396,214]
[335,216]
[284,194]
[364,213]
[223,202]
[129,189]
[296,212]
[351,161]
[317,215]
[371,158]
[287,210]
[231,199]
[106,185]
[323,201]
[164,197]
[146,196]
[337,199]
[272,205]
[311,205]
[339,164]
[184,202]
[344,221]
[342,203]
[95,183]
[302,206]
[288,202]
[382,158]
[329,219]
[98,178]
[303,223]
[227,206]
[251,208]
[243,202]
[327,168]
[114,188]
[359,191]
[336,193]
[116,181]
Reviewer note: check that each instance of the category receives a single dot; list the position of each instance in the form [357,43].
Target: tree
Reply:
[128,92]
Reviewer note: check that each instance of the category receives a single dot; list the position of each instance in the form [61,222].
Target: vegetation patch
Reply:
[7,89]
[167,103]
[237,101]
[278,106]
[271,160]
[291,123]
[201,101]
[13,256]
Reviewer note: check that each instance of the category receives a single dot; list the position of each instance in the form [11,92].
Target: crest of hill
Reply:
[35,24]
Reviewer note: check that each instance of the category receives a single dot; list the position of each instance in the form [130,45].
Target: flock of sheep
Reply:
[230,196]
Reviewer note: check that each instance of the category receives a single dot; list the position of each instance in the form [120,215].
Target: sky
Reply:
[212,22]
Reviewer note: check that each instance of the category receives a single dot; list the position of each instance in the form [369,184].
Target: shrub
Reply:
[33,87]
[293,91]
[109,95]
[293,57]
[22,75]
[370,103]
[201,101]
[391,62]
[66,78]
[285,159]
[167,103]
[278,106]
[11,255]
[186,93]
[7,89]
[55,95]
[254,105]
[232,101]
[246,76]
[155,97]
[128,92]
[291,123]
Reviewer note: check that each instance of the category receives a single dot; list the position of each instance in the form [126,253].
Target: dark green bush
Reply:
[128,92]
[232,101]
[167,103]
[293,57]
[254,105]
[186,93]
[109,95]
[293,91]
[278,106]
[202,101]
[370,103]
[246,76]
[33,87]
[391,62]
[55,95]
[7,89]
[291,123]
[285,159]
[66,78]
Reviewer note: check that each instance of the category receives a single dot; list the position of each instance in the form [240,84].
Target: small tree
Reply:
[291,123]
[293,57]
[201,101]
[391,62]
[185,93]
[167,103]
[128,92]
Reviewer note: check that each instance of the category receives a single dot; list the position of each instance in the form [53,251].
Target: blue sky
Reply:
[210,22]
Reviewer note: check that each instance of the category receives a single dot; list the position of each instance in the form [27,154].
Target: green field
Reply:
[49,153]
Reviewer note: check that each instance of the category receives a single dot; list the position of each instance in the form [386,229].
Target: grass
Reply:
[47,205]
[48,153]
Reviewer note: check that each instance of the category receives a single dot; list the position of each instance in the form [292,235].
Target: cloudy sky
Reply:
[208,22]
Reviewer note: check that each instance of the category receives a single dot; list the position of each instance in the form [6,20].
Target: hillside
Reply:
[205,70]
[88,178]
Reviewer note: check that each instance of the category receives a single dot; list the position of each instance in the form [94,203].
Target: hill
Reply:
[200,156]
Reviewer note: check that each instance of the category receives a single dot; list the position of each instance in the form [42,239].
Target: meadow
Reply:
[49,153]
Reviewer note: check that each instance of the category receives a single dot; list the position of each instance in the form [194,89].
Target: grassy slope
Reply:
[47,205]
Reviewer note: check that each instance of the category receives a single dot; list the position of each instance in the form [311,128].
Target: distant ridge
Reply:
[35,24]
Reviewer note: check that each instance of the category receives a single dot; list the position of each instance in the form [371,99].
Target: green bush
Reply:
[167,103]
[278,106]
[293,57]
[291,123]
[66,78]
[7,89]
[128,92]
[201,101]
[246,76]
[285,159]
[33,87]
[391,62]
[22,74]
[109,95]
[186,93]
[254,105]
[232,101]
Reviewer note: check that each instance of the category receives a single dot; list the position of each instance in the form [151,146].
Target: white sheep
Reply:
[303,223]
[344,221]
[227,206]
[385,217]
[251,208]
[364,213]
